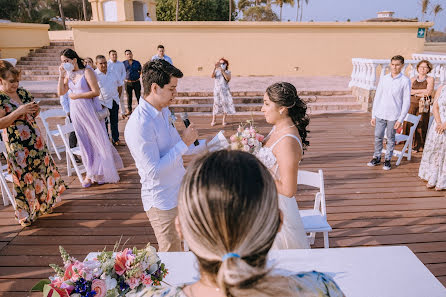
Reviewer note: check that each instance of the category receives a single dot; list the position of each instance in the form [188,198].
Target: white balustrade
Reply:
[364,73]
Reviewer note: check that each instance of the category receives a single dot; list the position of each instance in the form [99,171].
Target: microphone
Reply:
[186,122]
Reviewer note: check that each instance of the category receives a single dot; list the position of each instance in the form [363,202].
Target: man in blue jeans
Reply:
[390,107]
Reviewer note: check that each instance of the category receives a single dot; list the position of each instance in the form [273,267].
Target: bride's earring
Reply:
[280,111]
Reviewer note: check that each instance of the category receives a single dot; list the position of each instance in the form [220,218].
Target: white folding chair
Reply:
[408,139]
[64,131]
[52,113]
[315,220]
[4,177]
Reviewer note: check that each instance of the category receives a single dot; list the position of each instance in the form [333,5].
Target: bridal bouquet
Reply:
[247,138]
[110,274]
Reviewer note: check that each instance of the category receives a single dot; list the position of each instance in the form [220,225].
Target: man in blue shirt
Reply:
[161,56]
[133,72]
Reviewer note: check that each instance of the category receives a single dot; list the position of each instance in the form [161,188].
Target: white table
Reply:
[360,272]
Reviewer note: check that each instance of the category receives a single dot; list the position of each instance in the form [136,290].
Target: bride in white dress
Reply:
[281,154]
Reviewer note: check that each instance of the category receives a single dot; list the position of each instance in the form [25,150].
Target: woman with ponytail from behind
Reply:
[281,153]
[229,216]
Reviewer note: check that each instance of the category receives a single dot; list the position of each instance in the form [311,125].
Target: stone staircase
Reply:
[200,103]
[43,63]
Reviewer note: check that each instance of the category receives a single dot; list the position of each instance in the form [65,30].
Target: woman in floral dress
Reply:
[223,103]
[433,163]
[37,183]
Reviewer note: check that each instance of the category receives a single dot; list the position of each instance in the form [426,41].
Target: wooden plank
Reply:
[366,206]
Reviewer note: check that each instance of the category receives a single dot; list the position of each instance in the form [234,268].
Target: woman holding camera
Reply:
[222,94]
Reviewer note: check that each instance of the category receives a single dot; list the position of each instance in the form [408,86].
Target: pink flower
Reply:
[233,138]
[39,143]
[121,261]
[244,141]
[133,282]
[260,137]
[146,279]
[24,131]
[98,285]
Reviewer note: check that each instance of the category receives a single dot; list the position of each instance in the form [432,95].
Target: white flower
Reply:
[251,142]
[110,283]
[256,143]
[246,134]
[153,268]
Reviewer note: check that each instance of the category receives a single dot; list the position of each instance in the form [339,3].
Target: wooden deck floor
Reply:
[366,207]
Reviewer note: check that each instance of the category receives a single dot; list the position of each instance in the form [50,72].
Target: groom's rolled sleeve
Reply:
[192,149]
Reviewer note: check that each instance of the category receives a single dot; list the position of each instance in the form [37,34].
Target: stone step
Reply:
[42,60]
[40,77]
[44,95]
[53,55]
[62,43]
[50,50]
[39,72]
[37,64]
[339,106]
[38,68]
[258,99]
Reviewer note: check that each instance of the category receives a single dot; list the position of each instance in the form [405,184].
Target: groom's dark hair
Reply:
[159,72]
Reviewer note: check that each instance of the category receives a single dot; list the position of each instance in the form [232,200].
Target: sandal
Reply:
[429,186]
[86,183]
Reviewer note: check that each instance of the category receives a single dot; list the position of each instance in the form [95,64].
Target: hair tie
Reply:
[229,255]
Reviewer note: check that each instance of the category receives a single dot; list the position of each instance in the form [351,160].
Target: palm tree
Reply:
[176,14]
[281,3]
[302,9]
[84,7]
[436,10]
[62,15]
[424,7]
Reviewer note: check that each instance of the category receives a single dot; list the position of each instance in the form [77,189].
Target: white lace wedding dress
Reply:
[292,234]
[433,163]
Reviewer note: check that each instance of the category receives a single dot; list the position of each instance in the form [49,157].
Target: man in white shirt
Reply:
[390,107]
[157,149]
[119,69]
[109,84]
[160,55]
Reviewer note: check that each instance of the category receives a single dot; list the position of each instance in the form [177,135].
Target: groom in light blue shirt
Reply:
[157,149]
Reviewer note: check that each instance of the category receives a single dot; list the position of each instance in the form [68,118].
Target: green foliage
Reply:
[259,13]
[40,11]
[195,10]
[39,286]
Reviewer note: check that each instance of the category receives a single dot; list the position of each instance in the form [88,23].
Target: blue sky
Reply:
[357,10]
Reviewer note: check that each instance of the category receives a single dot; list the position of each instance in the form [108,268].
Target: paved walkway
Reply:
[250,84]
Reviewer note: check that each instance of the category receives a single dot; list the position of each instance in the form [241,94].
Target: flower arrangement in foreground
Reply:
[110,274]
[247,138]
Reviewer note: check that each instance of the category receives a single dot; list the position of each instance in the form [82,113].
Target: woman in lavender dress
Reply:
[100,158]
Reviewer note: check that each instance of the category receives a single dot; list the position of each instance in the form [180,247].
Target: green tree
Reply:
[280,3]
[259,13]
[195,10]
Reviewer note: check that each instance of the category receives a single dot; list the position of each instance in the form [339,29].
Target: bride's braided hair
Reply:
[285,94]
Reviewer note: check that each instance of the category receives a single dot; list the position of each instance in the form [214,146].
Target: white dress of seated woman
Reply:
[292,234]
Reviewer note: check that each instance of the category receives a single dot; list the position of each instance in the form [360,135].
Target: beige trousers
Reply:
[163,223]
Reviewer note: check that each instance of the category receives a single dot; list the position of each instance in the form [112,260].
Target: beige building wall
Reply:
[16,39]
[253,48]
[124,9]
